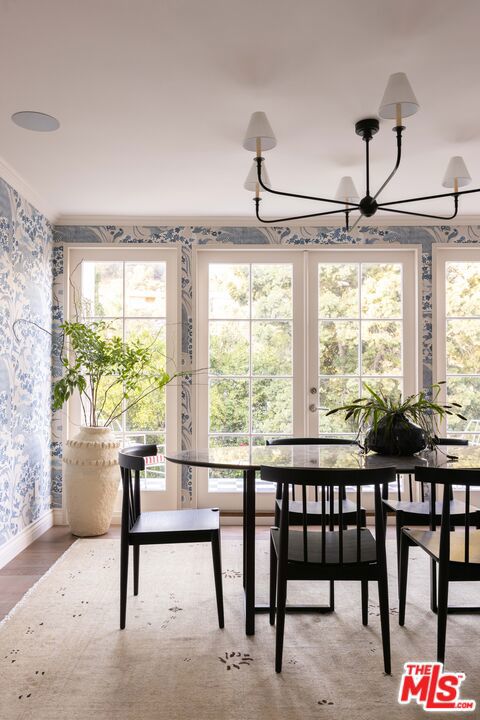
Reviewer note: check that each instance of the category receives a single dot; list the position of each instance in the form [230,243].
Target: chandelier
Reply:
[398,102]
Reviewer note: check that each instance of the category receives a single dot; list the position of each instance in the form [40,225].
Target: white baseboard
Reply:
[59,517]
[25,537]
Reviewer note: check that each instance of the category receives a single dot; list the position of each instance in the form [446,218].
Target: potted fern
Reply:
[396,426]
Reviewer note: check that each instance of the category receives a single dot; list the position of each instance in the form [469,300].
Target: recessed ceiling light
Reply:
[37,121]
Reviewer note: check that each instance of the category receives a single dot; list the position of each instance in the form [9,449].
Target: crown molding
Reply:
[17,182]
[245,221]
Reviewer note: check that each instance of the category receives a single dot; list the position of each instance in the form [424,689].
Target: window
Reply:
[130,290]
[458,336]
[360,334]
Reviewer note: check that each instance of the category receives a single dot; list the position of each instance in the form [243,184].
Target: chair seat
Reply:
[332,555]
[457,508]
[172,521]
[315,508]
[429,540]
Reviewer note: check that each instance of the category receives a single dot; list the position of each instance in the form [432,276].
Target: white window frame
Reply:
[441,254]
[203,256]
[170,498]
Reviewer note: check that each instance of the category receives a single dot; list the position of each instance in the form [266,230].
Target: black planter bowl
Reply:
[395,435]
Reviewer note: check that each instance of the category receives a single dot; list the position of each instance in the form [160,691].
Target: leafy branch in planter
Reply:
[111,375]
[377,408]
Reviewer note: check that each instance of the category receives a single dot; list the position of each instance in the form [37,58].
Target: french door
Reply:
[286,335]
[133,291]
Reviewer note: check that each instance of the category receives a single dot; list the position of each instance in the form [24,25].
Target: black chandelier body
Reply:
[368,205]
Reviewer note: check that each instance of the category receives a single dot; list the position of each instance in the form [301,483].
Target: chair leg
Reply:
[332,596]
[398,528]
[217,571]
[365,602]
[433,586]
[385,620]
[124,548]
[273,581]
[281,603]
[402,578]
[136,567]
[442,614]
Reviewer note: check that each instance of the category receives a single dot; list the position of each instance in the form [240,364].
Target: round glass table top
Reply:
[324,456]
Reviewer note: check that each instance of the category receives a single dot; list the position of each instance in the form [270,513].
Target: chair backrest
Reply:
[132,459]
[449,441]
[311,441]
[327,481]
[446,479]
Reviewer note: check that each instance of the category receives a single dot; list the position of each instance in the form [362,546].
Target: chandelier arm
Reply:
[367,166]
[296,217]
[425,215]
[398,130]
[430,197]
[259,161]
[355,223]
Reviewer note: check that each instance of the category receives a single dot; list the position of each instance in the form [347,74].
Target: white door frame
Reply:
[305,363]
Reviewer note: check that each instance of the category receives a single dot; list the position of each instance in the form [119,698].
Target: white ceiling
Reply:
[154,96]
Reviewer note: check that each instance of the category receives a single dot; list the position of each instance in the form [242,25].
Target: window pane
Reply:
[271,348]
[229,291]
[382,348]
[338,290]
[463,346]
[338,347]
[228,402]
[387,385]
[145,289]
[272,406]
[271,291]
[334,392]
[462,288]
[381,290]
[466,391]
[220,479]
[229,347]
[102,289]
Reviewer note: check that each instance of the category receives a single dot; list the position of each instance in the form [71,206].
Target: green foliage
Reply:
[422,409]
[111,376]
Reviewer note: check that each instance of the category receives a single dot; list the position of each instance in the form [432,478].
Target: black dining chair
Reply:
[456,550]
[163,527]
[314,508]
[331,551]
[413,512]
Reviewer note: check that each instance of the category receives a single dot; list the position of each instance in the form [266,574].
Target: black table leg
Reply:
[249,550]
[244,546]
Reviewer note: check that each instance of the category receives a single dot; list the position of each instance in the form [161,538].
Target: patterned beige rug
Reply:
[62,656]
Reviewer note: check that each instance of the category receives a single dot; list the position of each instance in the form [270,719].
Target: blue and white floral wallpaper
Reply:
[25,363]
[186,237]
[31,288]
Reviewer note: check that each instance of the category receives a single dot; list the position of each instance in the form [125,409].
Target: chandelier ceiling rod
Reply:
[398,102]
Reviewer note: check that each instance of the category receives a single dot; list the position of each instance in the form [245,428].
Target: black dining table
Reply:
[250,459]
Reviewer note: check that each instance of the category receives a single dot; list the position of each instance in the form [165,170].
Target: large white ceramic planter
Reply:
[91,480]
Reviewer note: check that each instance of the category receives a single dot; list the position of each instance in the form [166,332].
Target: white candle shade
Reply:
[456,170]
[252,178]
[259,128]
[346,190]
[398,92]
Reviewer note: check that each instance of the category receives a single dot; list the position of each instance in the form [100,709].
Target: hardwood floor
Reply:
[27,568]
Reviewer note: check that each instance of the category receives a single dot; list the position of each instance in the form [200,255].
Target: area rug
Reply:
[62,656]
